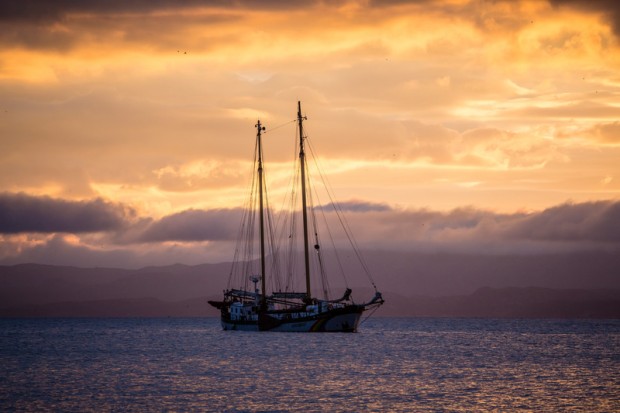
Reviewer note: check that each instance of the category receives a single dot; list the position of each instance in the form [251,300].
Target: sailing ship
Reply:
[250,308]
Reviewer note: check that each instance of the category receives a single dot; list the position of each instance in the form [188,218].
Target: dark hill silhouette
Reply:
[42,284]
[557,285]
[510,302]
[531,302]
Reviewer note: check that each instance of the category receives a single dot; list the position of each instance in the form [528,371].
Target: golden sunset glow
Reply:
[505,106]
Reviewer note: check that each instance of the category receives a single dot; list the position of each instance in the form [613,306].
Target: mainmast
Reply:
[259,148]
[302,162]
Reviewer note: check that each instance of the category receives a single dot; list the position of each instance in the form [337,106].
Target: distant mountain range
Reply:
[515,302]
[427,285]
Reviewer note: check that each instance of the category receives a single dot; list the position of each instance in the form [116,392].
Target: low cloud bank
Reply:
[22,213]
[46,230]
[194,225]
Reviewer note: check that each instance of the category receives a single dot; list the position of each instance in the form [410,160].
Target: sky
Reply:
[127,128]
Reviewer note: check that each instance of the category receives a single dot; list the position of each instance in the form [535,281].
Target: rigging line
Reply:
[368,316]
[240,248]
[345,225]
[293,247]
[285,227]
[317,259]
[269,233]
[343,220]
[293,257]
[332,241]
[275,278]
[292,237]
[325,280]
[282,229]
[279,126]
[311,194]
[281,234]
[322,210]
[252,212]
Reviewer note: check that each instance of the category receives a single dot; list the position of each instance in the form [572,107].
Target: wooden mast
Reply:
[302,162]
[259,129]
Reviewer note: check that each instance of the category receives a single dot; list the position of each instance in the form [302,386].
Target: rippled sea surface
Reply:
[397,365]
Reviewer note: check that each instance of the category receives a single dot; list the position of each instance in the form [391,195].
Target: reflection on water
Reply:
[391,365]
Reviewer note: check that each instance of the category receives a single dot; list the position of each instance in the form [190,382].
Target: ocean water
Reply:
[394,365]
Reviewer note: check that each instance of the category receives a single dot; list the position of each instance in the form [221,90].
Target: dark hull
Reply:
[343,320]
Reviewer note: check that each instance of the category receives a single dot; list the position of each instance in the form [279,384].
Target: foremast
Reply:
[302,165]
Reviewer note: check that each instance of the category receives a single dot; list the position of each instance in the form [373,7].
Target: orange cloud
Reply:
[153,104]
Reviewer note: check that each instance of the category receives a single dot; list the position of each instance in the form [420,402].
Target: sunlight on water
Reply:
[399,365]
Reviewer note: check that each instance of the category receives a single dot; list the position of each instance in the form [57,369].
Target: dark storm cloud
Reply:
[388,3]
[574,223]
[20,213]
[58,251]
[564,227]
[64,24]
[195,225]
[609,8]
[589,221]
[45,11]
[571,225]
